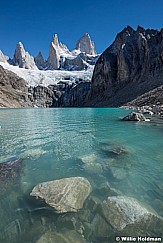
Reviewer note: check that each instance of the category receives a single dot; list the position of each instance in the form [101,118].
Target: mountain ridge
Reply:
[129,67]
[60,57]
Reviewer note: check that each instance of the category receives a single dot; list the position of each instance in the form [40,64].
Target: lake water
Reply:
[53,143]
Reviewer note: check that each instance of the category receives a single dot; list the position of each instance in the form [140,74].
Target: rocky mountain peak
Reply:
[133,64]
[126,32]
[22,58]
[55,40]
[3,57]
[40,62]
[140,29]
[85,44]
[19,51]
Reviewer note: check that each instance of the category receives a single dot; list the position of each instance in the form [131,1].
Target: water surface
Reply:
[53,143]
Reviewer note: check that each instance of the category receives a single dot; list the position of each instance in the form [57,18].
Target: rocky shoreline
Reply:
[152,110]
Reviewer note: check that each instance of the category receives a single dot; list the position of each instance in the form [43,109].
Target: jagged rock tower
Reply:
[40,62]
[85,44]
[3,57]
[22,58]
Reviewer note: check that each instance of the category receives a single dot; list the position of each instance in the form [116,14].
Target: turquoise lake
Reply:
[53,142]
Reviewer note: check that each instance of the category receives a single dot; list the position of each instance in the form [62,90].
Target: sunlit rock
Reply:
[64,195]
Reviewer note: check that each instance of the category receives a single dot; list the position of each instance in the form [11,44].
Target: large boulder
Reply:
[64,195]
[125,216]
[134,116]
[61,237]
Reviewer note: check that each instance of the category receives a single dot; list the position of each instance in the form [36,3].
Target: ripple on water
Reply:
[116,157]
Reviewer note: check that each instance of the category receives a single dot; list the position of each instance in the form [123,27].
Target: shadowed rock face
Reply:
[40,62]
[13,90]
[64,195]
[131,66]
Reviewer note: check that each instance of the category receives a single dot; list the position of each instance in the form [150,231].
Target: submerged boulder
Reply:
[70,236]
[10,169]
[64,195]
[125,215]
[134,116]
[10,174]
[90,164]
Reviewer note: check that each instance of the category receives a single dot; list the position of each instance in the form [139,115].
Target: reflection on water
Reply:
[59,143]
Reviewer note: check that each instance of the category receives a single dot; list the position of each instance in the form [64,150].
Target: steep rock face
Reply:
[41,96]
[40,62]
[85,44]
[56,51]
[3,57]
[22,58]
[77,64]
[131,66]
[13,90]
[73,96]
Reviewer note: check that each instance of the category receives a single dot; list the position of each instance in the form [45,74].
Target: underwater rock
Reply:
[90,164]
[10,169]
[118,173]
[124,215]
[89,159]
[91,168]
[134,116]
[9,174]
[70,236]
[64,195]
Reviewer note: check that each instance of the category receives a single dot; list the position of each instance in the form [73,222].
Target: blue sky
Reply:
[34,22]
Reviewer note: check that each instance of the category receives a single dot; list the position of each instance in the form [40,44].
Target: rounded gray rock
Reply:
[64,195]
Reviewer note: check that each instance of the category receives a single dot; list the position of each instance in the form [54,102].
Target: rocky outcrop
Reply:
[53,59]
[56,51]
[151,99]
[40,62]
[3,57]
[121,215]
[22,58]
[130,67]
[134,116]
[13,90]
[85,44]
[64,195]
[76,63]
[41,96]
[74,95]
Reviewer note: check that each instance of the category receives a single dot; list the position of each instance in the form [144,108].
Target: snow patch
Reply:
[45,78]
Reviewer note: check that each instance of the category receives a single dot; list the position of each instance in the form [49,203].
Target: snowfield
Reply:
[45,78]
